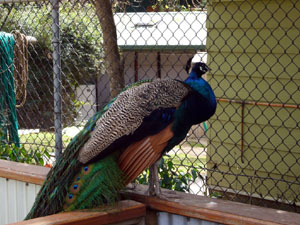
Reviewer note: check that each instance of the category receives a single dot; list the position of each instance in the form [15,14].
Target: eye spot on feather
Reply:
[70,198]
[78,178]
[75,188]
[87,169]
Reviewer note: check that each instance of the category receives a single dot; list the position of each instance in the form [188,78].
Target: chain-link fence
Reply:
[253,49]
[249,151]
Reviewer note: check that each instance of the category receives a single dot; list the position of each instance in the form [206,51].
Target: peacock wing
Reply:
[127,112]
[142,154]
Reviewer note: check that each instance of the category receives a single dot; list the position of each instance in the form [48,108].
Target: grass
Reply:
[185,162]
[194,144]
[189,161]
[41,141]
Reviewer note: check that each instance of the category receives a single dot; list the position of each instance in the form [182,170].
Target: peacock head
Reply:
[199,68]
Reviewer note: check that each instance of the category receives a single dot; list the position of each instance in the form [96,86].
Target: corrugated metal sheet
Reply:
[165,218]
[16,199]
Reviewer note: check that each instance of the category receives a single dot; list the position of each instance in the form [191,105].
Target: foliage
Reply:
[158,5]
[216,194]
[20,154]
[81,56]
[170,178]
[178,5]
[81,43]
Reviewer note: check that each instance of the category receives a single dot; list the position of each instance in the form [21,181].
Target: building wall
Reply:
[172,65]
[253,51]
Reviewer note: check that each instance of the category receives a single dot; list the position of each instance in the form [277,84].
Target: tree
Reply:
[112,56]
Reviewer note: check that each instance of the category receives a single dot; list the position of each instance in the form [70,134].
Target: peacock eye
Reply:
[70,196]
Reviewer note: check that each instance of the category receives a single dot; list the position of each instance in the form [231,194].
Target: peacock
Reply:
[131,133]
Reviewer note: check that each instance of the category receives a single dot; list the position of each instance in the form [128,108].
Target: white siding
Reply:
[165,218]
[161,28]
[16,199]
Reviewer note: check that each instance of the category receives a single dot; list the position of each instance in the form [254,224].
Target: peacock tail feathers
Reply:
[96,184]
[56,188]
[51,197]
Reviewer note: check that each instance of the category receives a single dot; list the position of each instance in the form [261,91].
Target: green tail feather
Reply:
[96,184]
[102,184]
[51,197]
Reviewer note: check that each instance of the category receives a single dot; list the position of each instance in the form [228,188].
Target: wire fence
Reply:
[248,151]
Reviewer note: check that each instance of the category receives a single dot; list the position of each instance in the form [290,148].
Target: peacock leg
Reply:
[154,186]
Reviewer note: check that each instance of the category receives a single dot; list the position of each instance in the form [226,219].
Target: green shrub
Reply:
[81,57]
[20,154]
[170,177]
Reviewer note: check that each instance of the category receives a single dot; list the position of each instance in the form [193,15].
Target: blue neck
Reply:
[201,86]
[193,75]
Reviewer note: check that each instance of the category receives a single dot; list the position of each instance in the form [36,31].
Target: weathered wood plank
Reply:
[216,210]
[124,210]
[23,172]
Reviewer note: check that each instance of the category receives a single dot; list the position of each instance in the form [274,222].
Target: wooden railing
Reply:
[127,211]
[187,205]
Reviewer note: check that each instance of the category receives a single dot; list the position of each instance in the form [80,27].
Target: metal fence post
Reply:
[57,78]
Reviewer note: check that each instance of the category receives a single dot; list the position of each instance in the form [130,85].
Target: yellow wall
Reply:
[253,51]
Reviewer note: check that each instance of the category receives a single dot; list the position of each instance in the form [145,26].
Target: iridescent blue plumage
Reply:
[197,107]
[200,85]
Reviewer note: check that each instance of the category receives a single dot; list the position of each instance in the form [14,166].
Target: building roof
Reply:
[161,31]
